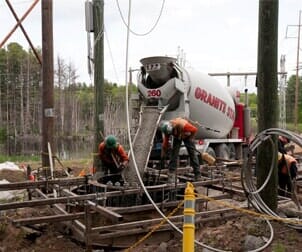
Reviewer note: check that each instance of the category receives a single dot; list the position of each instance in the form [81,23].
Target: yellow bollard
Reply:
[189,222]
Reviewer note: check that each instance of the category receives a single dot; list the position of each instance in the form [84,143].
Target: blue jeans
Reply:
[191,151]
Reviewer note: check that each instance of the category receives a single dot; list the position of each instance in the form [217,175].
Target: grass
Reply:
[278,248]
[30,159]
[35,163]
[291,127]
[16,158]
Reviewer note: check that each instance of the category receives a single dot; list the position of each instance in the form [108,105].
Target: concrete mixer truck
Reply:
[222,121]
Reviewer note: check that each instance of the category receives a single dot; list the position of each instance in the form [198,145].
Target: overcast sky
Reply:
[215,35]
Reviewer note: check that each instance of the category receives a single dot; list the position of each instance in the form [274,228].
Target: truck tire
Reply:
[232,150]
[222,151]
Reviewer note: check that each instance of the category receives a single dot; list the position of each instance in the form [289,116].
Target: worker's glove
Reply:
[121,167]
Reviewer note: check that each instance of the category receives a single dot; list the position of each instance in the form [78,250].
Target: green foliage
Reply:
[117,92]
[21,100]
[278,248]
[290,99]
[2,60]
[252,103]
[291,127]
[15,55]
[21,158]
[254,125]
[3,135]
[290,104]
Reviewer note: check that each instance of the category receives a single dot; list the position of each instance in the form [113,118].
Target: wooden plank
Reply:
[148,207]
[48,201]
[76,225]
[88,224]
[41,184]
[228,189]
[115,217]
[113,234]
[105,212]
[150,222]
[121,191]
[48,219]
[134,231]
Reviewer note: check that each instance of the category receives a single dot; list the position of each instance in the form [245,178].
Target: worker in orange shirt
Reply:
[282,141]
[182,131]
[113,156]
[287,172]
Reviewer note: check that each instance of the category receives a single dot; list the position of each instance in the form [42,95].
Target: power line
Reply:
[297,67]
[151,29]
[111,56]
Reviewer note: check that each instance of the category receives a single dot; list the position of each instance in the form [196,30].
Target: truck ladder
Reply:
[143,142]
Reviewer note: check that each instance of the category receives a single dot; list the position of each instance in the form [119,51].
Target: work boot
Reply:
[172,178]
[197,177]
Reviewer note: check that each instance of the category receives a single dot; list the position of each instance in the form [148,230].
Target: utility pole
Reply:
[47,83]
[98,24]
[267,87]
[297,77]
[282,94]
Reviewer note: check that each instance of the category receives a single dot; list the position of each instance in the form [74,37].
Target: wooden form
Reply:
[42,184]
[113,226]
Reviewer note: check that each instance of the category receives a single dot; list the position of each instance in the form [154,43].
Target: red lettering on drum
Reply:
[231,113]
[215,102]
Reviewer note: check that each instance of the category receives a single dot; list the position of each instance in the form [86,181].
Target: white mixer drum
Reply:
[211,105]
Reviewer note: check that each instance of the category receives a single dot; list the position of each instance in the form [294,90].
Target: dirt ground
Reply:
[47,238]
[228,236]
[225,235]
[44,237]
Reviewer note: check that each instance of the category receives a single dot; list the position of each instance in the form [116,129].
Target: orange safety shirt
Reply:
[181,129]
[106,154]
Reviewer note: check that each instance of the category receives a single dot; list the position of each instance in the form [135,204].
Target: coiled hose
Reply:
[248,184]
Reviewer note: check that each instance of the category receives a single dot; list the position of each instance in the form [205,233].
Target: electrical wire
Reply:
[99,36]
[128,25]
[111,55]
